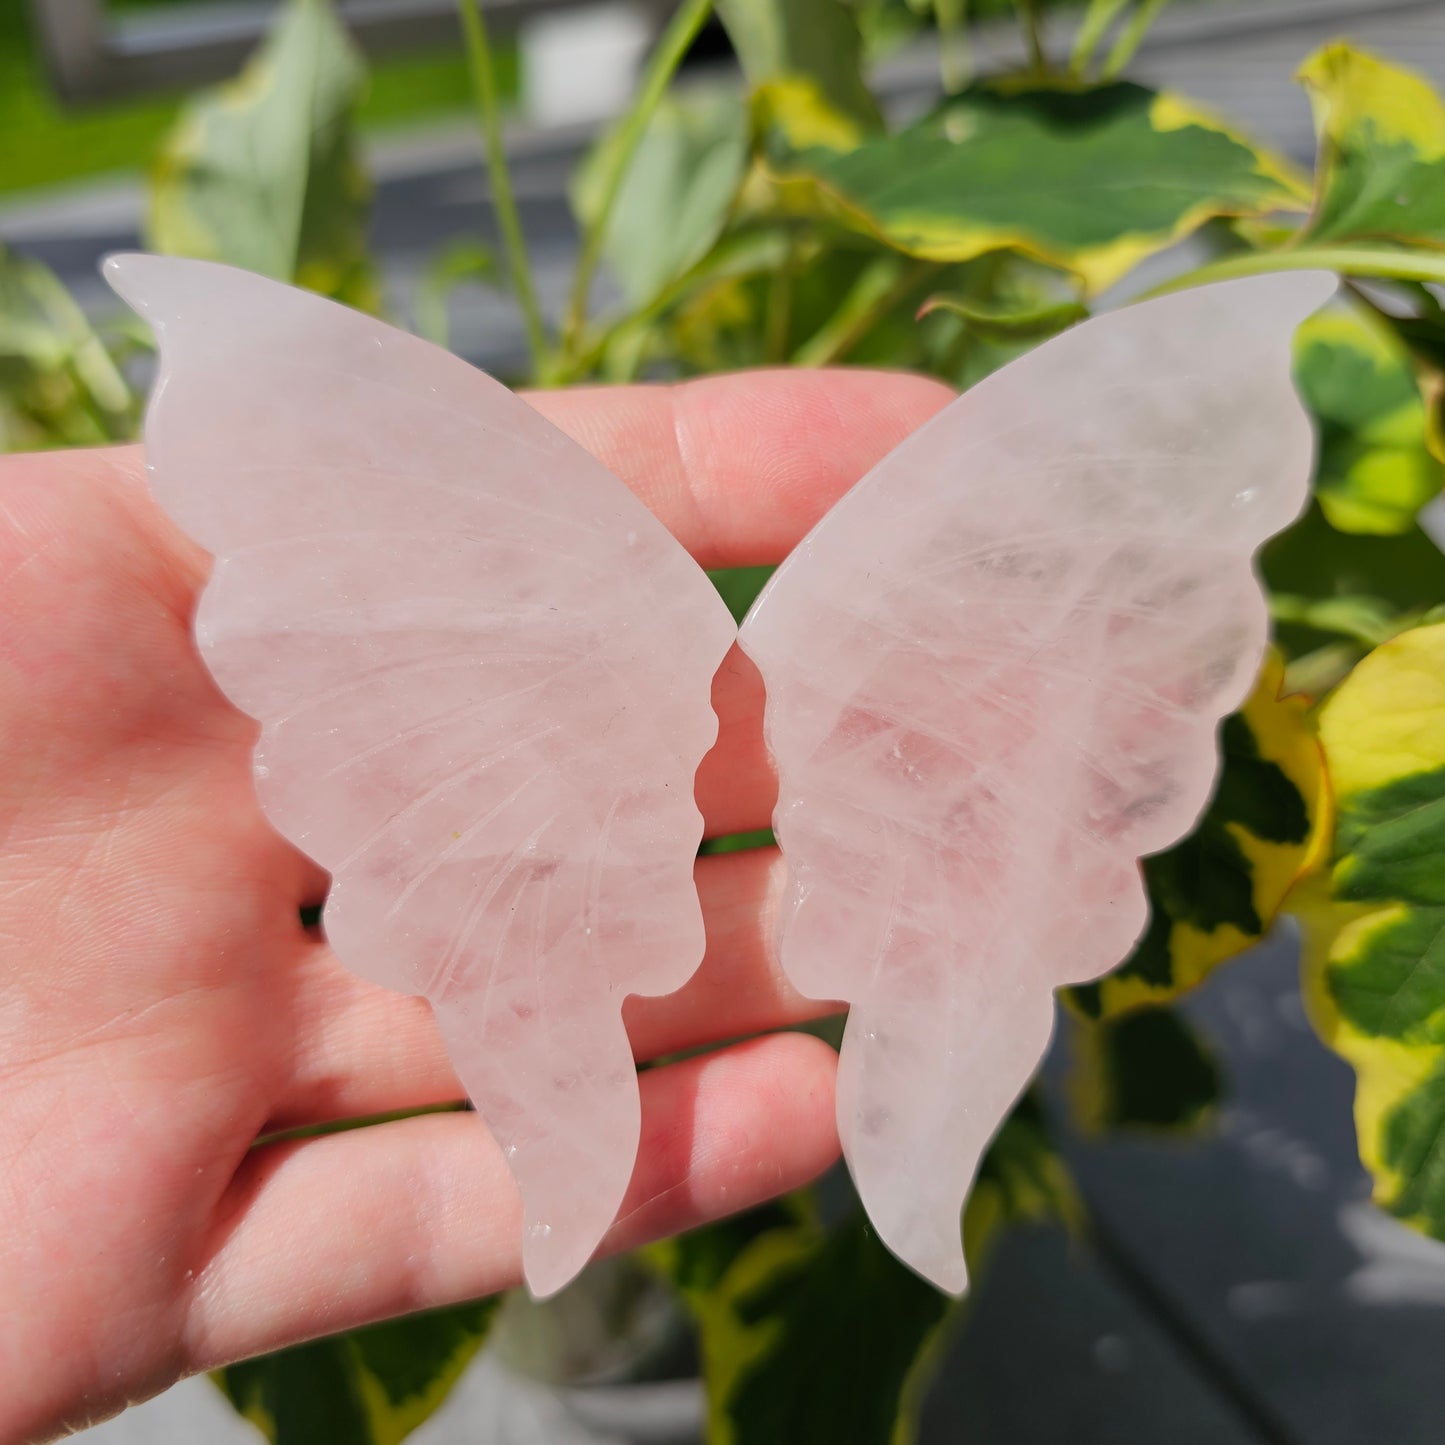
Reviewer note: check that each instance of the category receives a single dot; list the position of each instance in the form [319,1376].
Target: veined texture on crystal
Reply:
[482,669]
[994,674]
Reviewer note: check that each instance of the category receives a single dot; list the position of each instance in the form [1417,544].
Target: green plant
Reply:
[780,219]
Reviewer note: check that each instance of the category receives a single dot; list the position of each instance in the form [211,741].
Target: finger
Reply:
[325,1234]
[739,467]
[739,988]
[362,1050]
[736,785]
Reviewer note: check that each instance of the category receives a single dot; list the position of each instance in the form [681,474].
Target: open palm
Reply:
[162,1007]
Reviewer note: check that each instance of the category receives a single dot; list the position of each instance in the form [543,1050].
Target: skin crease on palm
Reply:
[161,1008]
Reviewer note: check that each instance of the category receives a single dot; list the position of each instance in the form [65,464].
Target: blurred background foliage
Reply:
[46,143]
[781,218]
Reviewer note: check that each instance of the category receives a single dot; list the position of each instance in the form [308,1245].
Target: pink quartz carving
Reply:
[994,673]
[482,670]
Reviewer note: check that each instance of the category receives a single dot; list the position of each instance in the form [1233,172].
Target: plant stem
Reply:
[1348,260]
[103,422]
[763,254]
[872,297]
[780,304]
[954,61]
[682,30]
[1028,11]
[1131,37]
[1100,15]
[484,84]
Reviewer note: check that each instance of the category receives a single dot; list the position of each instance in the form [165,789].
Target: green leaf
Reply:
[677,191]
[997,324]
[834,1327]
[817,1334]
[455,264]
[1009,166]
[371,1387]
[1422,332]
[697,1261]
[1376,954]
[1367,620]
[1381,170]
[263,173]
[1217,892]
[814,40]
[1098,18]
[879,289]
[739,587]
[717,318]
[675,328]
[1374,470]
[1146,1069]
[1131,36]
[1396,576]
[59,386]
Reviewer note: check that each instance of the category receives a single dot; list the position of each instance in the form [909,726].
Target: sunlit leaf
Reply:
[1375,470]
[997,323]
[263,173]
[1381,149]
[1131,35]
[1396,576]
[1005,167]
[1099,16]
[371,1387]
[1377,941]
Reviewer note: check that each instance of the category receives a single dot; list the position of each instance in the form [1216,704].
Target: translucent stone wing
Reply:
[482,670]
[994,673]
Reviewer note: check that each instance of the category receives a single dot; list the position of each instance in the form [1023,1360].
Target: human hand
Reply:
[162,1009]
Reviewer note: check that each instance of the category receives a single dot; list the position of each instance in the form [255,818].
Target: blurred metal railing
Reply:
[95,54]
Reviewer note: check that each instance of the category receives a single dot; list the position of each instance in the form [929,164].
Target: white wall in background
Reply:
[581,65]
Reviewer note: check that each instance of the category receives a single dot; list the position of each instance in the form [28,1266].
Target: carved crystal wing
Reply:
[994,673]
[482,670]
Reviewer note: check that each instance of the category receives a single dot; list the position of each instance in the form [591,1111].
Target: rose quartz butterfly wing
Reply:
[482,673]
[994,673]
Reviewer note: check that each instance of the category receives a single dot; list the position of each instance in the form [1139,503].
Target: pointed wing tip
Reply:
[132,274]
[952,1282]
[164,288]
[547,1269]
[946,1272]
[114,265]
